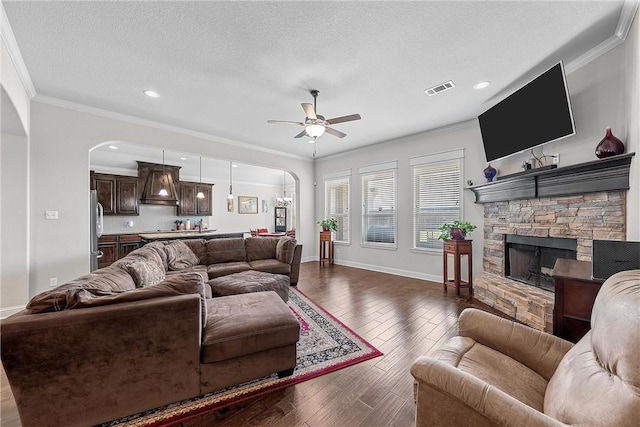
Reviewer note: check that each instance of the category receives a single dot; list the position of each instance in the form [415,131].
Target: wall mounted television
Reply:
[537,113]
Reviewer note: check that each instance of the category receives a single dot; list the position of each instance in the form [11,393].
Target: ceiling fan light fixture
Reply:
[314,131]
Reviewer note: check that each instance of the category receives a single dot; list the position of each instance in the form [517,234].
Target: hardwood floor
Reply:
[403,317]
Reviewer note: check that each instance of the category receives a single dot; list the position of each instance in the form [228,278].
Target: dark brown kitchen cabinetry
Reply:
[114,247]
[117,194]
[108,245]
[189,204]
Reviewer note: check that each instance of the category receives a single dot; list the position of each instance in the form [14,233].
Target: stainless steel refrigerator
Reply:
[96,224]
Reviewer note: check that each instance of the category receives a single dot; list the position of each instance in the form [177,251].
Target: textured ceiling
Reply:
[224,68]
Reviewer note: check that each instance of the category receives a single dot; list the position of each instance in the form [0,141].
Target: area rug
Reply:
[325,345]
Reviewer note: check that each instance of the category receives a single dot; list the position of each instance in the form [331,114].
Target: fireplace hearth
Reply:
[531,259]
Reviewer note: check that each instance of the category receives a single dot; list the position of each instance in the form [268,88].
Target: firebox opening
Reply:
[531,259]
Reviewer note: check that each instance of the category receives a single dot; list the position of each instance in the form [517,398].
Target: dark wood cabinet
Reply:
[575,293]
[108,245]
[189,204]
[117,194]
[114,247]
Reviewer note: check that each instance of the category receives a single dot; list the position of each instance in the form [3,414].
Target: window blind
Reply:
[437,195]
[337,205]
[379,207]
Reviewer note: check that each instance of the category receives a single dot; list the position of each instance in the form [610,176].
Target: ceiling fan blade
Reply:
[301,134]
[334,132]
[308,110]
[285,121]
[343,119]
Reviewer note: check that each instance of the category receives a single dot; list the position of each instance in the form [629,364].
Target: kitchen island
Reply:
[187,234]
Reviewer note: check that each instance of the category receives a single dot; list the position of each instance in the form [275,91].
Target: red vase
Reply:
[609,146]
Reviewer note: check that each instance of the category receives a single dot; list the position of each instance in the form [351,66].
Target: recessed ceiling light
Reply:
[151,94]
[183,158]
[113,147]
[235,166]
[481,85]
[311,141]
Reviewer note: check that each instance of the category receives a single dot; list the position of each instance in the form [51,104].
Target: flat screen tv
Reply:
[537,113]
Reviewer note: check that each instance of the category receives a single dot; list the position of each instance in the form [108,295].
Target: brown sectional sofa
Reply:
[138,335]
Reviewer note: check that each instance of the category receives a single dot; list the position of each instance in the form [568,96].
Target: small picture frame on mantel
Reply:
[247,205]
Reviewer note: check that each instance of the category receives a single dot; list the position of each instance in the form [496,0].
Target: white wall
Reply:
[631,97]
[60,142]
[603,93]
[13,223]
[403,260]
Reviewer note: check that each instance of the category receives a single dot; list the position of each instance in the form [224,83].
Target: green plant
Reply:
[329,223]
[446,229]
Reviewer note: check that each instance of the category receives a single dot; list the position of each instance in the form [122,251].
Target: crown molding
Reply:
[56,102]
[9,41]
[625,21]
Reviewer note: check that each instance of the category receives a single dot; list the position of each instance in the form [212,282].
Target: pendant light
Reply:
[230,196]
[200,194]
[163,190]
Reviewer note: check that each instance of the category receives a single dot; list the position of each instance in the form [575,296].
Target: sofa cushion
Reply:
[180,256]
[145,273]
[225,250]
[260,247]
[90,291]
[225,268]
[271,266]
[199,248]
[239,325]
[285,249]
[158,246]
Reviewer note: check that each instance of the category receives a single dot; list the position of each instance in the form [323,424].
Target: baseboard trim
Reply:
[394,271]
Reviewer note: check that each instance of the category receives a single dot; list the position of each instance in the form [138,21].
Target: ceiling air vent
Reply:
[439,88]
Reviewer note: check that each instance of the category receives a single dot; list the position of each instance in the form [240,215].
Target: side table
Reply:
[457,248]
[326,247]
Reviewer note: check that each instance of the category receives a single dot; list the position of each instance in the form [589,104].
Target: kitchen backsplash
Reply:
[151,218]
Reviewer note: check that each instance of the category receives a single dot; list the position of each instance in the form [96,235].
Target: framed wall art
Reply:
[247,205]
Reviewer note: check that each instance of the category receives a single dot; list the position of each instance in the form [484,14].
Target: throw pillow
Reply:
[179,256]
[145,273]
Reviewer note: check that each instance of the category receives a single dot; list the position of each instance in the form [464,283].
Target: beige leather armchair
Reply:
[500,373]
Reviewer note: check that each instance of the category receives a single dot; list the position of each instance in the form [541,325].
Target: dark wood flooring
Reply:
[403,317]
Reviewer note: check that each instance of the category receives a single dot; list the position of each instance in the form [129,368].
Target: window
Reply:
[437,196]
[336,202]
[379,204]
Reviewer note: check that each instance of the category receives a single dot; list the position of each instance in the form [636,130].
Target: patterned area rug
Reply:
[325,345]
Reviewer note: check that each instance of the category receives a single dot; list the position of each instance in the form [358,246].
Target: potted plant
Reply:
[456,230]
[329,224]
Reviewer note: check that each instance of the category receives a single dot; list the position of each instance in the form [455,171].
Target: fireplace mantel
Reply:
[609,174]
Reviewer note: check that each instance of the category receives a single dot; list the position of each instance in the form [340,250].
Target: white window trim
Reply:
[442,156]
[381,167]
[330,176]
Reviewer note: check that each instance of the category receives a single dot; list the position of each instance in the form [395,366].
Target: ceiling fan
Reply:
[314,124]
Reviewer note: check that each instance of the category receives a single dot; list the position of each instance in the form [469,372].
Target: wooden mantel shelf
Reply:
[609,174]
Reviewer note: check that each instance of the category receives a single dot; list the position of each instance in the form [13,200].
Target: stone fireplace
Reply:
[530,221]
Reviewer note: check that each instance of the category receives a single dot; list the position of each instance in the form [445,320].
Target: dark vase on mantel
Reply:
[609,146]
[489,172]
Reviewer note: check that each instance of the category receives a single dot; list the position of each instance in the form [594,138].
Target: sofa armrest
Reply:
[91,365]
[295,265]
[447,396]
[539,351]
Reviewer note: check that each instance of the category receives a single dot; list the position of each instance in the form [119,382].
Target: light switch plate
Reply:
[51,215]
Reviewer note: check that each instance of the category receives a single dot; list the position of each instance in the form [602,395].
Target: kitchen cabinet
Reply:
[117,194]
[189,204]
[116,246]
[108,245]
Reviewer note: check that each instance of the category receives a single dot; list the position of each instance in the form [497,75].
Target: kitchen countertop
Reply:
[186,234]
